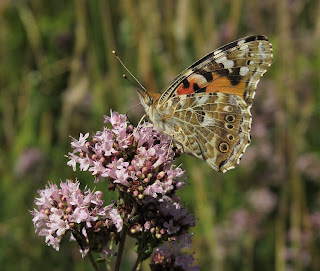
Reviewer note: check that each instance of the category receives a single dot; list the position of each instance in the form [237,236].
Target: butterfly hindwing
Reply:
[210,126]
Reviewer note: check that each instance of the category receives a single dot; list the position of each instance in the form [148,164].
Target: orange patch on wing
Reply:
[181,90]
[192,80]
[218,84]
[223,84]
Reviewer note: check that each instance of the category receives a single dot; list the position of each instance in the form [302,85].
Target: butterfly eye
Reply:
[223,147]
[230,118]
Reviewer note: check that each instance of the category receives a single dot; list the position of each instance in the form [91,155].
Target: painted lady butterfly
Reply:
[206,109]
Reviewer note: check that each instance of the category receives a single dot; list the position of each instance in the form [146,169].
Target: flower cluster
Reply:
[170,257]
[160,221]
[139,163]
[62,210]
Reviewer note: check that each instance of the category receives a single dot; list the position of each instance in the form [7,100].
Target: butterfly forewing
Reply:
[234,68]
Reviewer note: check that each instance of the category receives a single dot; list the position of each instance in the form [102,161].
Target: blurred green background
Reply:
[58,77]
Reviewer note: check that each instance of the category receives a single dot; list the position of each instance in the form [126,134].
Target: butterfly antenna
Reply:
[132,83]
[141,86]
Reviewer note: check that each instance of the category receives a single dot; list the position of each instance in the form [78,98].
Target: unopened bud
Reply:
[144,170]
[148,164]
[163,231]
[160,175]
[47,212]
[69,210]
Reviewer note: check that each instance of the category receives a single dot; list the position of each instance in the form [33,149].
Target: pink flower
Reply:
[67,208]
[139,163]
[80,144]
[130,159]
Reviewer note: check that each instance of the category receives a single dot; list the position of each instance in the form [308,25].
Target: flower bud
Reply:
[69,210]
[144,170]
[160,175]
[163,231]
[148,164]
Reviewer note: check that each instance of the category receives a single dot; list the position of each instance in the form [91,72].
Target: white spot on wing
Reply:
[244,71]
[227,63]
[207,121]
[227,108]
[203,99]
[244,48]
[240,42]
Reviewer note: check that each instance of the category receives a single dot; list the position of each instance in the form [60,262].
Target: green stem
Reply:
[94,264]
[79,237]
[137,263]
[121,247]
[141,250]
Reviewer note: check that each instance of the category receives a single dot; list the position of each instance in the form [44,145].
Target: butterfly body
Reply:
[206,109]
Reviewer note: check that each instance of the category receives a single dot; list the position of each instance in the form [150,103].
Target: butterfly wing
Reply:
[207,107]
[210,126]
[235,68]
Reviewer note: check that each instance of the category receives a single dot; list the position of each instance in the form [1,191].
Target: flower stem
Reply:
[94,264]
[137,263]
[121,247]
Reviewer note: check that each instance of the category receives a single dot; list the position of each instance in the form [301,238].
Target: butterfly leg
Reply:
[170,146]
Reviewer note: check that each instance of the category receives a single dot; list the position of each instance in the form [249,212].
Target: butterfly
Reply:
[206,108]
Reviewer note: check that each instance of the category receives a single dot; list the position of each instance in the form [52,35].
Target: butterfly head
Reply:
[148,100]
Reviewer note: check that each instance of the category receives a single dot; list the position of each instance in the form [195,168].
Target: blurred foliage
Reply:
[58,77]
